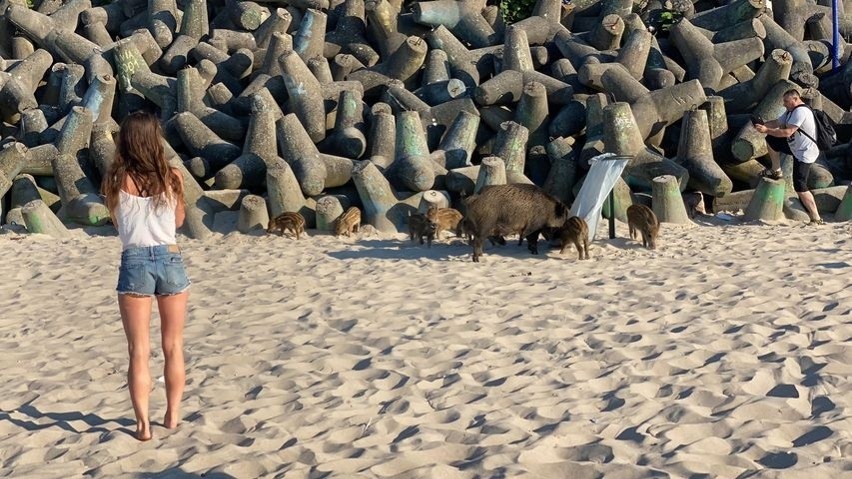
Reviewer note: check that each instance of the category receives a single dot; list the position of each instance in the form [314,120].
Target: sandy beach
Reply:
[725,353]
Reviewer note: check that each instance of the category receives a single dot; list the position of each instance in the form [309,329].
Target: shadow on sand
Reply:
[62,420]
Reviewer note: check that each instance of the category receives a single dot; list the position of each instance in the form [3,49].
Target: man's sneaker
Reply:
[772,174]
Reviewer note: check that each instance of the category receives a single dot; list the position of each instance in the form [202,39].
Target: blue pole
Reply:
[835,40]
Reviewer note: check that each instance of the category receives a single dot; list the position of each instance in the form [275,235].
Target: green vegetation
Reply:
[516,10]
[663,20]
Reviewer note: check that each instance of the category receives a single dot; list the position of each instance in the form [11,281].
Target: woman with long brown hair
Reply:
[145,199]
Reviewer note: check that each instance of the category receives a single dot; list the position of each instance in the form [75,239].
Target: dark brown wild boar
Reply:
[348,222]
[575,231]
[419,226]
[503,209]
[642,219]
[290,221]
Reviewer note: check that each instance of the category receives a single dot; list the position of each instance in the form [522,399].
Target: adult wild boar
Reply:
[507,209]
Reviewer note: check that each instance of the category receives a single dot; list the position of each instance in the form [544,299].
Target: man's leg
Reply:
[801,172]
[776,146]
[807,199]
[774,158]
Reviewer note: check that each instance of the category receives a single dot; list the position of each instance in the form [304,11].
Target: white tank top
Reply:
[140,224]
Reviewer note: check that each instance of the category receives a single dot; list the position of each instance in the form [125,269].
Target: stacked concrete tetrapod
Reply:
[384,209]
[336,86]
[314,170]
[623,137]
[12,160]
[285,193]
[248,170]
[767,203]
[709,62]
[844,209]
[253,214]
[329,208]
[24,190]
[667,202]
[491,172]
[695,153]
[80,199]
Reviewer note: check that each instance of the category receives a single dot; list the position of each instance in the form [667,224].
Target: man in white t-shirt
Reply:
[794,133]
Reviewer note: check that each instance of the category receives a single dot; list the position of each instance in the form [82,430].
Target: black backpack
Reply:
[826,137]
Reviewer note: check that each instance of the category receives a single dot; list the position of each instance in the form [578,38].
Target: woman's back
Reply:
[141,223]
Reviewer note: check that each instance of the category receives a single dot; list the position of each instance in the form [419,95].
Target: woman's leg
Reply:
[136,318]
[172,317]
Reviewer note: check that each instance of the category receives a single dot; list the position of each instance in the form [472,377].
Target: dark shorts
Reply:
[153,270]
[778,144]
[801,171]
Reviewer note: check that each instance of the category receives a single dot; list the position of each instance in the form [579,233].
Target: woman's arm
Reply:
[180,207]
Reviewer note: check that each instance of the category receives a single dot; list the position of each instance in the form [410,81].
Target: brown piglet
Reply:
[420,226]
[444,219]
[642,219]
[348,222]
[290,221]
[575,231]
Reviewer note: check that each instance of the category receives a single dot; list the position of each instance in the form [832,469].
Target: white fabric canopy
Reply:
[604,172]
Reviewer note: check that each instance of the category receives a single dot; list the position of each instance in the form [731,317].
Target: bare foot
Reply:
[143,432]
[171,421]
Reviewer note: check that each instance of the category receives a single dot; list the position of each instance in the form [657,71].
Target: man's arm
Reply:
[776,131]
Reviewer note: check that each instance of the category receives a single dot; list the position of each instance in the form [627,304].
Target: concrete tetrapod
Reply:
[413,169]
[743,96]
[492,171]
[383,208]
[767,203]
[667,202]
[38,218]
[459,142]
[314,170]
[12,160]
[707,61]
[844,209]
[329,208]
[653,110]
[253,214]
[285,194]
[382,144]
[622,137]
[463,18]
[248,170]
[80,199]
[695,153]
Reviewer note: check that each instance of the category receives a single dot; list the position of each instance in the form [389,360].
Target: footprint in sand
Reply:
[779,460]
[784,391]
[814,435]
[821,404]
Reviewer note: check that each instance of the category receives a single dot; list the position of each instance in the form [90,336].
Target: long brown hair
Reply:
[139,154]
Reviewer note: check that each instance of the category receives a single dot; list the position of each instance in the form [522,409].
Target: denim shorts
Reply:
[152,270]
